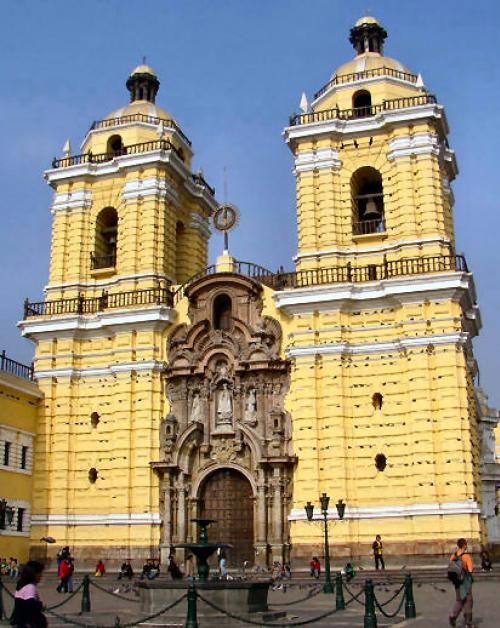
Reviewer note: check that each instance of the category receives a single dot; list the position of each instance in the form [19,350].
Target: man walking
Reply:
[462,584]
[378,549]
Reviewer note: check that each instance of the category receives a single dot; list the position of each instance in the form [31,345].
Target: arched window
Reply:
[115,145]
[222,313]
[367,202]
[362,104]
[106,234]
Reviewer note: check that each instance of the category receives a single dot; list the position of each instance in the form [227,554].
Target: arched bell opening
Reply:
[367,202]
[362,104]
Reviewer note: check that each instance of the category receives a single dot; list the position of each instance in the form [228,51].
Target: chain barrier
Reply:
[393,596]
[121,597]
[390,615]
[74,622]
[354,597]
[261,623]
[312,593]
[66,600]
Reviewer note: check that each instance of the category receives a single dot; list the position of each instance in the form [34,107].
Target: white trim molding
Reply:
[400,245]
[400,344]
[150,186]
[101,371]
[470,507]
[200,223]
[154,317]
[317,160]
[410,289]
[132,519]
[408,146]
[390,117]
[79,199]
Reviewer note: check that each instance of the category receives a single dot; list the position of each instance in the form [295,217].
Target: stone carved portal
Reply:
[227,425]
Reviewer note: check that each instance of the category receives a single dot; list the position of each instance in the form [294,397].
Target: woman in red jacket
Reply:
[65,571]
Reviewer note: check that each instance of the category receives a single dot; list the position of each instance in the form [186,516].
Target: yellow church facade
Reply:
[172,389]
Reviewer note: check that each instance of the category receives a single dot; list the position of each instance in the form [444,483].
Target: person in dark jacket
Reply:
[27,611]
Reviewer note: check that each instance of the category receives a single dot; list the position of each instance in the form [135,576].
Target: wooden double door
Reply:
[227,497]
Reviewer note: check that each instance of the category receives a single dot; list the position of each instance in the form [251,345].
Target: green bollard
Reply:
[2,610]
[410,611]
[370,619]
[191,620]
[339,592]
[86,595]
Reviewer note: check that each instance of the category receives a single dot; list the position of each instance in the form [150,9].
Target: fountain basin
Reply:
[236,596]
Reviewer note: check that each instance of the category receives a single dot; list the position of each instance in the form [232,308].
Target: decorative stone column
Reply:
[261,526]
[277,517]
[166,539]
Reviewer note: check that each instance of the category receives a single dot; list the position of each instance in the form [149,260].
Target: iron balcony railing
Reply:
[362,112]
[15,368]
[358,76]
[277,281]
[108,123]
[91,305]
[98,158]
[200,180]
[102,261]
[365,227]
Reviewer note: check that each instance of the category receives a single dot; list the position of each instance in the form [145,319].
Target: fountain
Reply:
[237,596]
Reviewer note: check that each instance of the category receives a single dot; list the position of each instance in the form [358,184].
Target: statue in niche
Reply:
[251,407]
[224,405]
[196,411]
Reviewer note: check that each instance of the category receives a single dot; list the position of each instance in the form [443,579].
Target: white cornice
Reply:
[151,186]
[115,165]
[407,146]
[317,160]
[363,348]
[382,512]
[202,193]
[200,223]
[408,289]
[385,78]
[102,371]
[79,199]
[141,518]
[154,317]
[106,283]
[348,251]
[369,124]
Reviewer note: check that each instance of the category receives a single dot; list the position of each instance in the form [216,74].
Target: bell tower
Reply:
[129,213]
[382,313]
[372,164]
[130,220]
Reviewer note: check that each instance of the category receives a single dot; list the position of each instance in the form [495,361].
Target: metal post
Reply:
[339,592]
[86,595]
[370,619]
[191,620]
[410,611]
[2,610]
[328,586]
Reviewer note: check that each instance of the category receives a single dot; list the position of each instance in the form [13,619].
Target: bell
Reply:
[371,211]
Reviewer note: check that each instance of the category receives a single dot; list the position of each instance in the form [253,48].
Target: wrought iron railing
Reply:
[200,180]
[365,227]
[277,281]
[139,117]
[358,76]
[98,158]
[102,261]
[362,112]
[91,305]
[15,368]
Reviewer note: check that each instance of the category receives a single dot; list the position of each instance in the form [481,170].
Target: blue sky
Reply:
[231,72]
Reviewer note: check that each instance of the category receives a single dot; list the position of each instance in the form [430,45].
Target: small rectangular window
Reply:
[6,453]
[24,457]
[20,519]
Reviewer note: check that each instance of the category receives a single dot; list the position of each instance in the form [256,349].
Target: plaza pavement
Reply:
[432,600]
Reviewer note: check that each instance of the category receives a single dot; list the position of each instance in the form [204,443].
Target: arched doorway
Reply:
[227,496]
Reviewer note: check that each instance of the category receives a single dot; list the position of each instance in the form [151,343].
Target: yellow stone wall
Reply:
[19,400]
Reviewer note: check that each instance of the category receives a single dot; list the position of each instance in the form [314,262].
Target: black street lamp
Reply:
[325,501]
[6,514]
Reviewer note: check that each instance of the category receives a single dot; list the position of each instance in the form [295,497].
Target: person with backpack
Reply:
[460,575]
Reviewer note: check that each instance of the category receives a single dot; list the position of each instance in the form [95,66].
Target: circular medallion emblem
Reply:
[225,217]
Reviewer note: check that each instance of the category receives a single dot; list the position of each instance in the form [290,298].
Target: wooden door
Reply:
[227,497]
